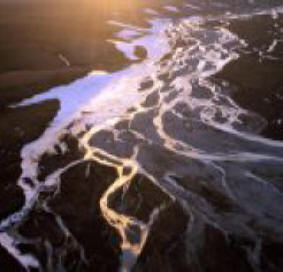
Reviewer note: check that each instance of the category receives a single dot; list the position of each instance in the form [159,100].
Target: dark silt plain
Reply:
[168,160]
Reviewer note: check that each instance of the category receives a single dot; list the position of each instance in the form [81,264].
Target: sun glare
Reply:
[115,5]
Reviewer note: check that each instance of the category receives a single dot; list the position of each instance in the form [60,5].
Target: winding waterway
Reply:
[171,162]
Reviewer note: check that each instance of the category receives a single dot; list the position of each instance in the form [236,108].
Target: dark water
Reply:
[141,136]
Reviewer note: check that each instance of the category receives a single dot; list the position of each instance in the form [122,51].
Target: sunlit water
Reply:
[166,121]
